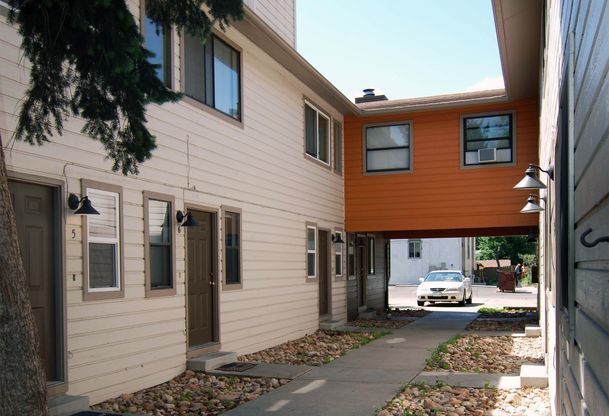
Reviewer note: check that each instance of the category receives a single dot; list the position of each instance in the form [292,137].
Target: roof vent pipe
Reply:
[369,96]
[368,92]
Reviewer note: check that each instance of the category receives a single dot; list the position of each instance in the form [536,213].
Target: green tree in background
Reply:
[513,248]
[87,59]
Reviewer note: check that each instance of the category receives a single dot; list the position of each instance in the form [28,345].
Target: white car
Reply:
[444,286]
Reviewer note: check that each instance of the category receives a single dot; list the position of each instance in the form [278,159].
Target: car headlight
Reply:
[453,289]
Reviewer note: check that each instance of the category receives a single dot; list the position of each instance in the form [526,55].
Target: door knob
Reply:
[212,283]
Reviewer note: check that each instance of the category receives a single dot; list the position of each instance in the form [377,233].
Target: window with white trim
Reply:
[103,242]
[338,257]
[414,249]
[317,134]
[311,251]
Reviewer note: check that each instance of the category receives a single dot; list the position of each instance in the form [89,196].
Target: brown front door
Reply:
[201,279]
[35,216]
[323,273]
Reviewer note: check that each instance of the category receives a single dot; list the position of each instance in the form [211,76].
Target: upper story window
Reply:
[414,249]
[158,41]
[212,74]
[488,139]
[338,147]
[317,134]
[388,148]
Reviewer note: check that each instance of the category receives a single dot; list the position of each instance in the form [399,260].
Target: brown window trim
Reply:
[342,255]
[114,294]
[310,279]
[307,101]
[170,61]
[408,171]
[201,105]
[150,292]
[334,150]
[495,164]
[231,286]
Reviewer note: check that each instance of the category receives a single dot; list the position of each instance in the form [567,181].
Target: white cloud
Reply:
[486,84]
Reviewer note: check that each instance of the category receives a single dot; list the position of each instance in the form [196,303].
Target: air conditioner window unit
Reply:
[487,155]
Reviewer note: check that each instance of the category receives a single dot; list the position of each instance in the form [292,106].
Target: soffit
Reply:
[519,24]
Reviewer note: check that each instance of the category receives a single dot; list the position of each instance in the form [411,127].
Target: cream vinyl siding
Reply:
[121,345]
[280,15]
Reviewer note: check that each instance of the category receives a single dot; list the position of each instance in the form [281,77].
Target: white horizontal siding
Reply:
[280,15]
[122,345]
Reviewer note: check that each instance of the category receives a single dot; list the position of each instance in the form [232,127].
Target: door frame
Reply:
[60,386]
[362,281]
[328,270]
[214,345]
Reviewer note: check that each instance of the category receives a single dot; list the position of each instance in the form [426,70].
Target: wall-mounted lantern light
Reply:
[532,205]
[185,220]
[531,180]
[82,206]
[337,238]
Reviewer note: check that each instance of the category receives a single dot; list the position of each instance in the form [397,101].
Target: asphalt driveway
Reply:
[483,296]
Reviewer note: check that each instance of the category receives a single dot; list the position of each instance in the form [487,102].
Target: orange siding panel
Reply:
[438,194]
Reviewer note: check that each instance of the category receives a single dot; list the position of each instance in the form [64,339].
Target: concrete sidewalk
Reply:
[363,380]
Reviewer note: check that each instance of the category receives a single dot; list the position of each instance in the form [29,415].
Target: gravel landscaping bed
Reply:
[413,313]
[498,355]
[316,349]
[379,323]
[502,312]
[511,325]
[192,393]
[420,400]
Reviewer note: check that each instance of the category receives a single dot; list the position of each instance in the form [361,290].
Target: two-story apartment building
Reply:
[252,153]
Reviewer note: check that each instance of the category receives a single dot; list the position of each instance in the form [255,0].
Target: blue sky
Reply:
[403,48]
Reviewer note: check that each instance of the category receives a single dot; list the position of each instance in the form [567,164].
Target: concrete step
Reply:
[532,331]
[367,314]
[330,325]
[533,376]
[212,360]
[67,405]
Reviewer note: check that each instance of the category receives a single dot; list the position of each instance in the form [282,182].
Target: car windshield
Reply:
[443,277]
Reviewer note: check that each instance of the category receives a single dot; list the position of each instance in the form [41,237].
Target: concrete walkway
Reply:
[363,380]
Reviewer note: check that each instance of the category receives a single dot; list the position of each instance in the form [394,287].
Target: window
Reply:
[159,246]
[338,258]
[103,243]
[351,254]
[212,74]
[488,139]
[311,251]
[317,131]
[158,41]
[338,147]
[371,255]
[414,249]
[232,248]
[388,148]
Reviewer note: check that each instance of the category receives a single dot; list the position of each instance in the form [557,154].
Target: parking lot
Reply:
[483,296]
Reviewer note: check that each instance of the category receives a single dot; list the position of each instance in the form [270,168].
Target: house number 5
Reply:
[73,233]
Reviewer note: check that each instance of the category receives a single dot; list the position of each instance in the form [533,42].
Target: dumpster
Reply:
[507,281]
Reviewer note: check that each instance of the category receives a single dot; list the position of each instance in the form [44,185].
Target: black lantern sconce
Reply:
[185,220]
[337,238]
[531,180]
[82,206]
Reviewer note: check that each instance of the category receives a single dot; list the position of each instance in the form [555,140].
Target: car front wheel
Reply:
[470,300]
[462,301]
